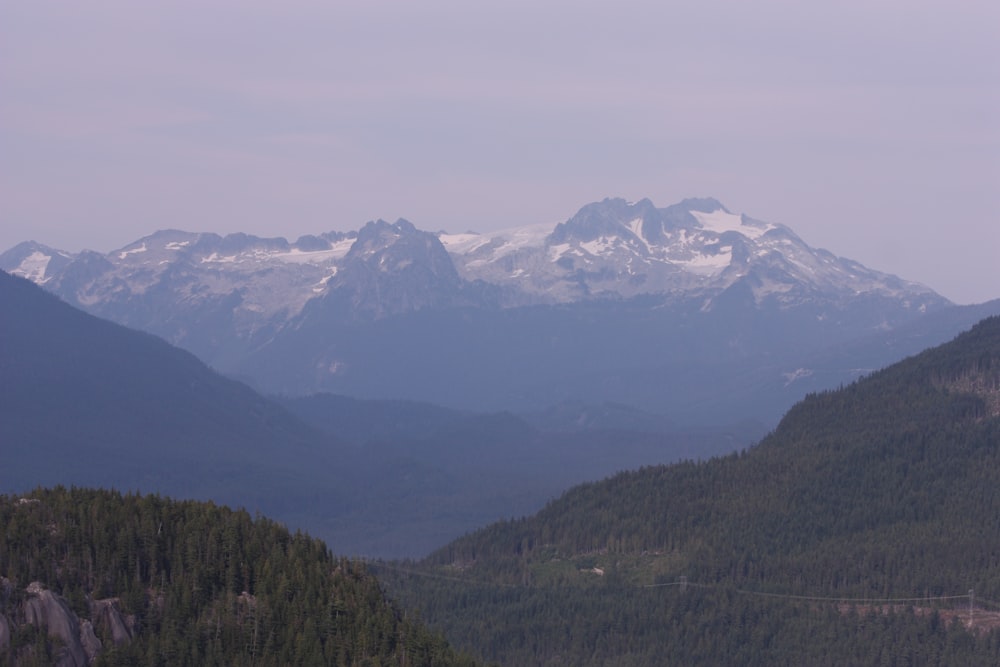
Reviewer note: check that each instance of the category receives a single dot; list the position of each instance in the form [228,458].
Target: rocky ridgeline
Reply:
[76,640]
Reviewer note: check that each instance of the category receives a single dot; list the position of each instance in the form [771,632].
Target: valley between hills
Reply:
[646,436]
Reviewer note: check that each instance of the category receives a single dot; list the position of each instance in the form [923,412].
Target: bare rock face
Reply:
[50,612]
[79,644]
[91,644]
[107,616]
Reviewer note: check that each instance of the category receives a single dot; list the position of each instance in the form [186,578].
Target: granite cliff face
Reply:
[76,642]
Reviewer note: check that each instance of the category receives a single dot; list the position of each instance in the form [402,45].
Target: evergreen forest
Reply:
[194,584]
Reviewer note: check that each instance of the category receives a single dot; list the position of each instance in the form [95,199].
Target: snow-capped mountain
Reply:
[208,293]
[604,306]
[615,248]
[609,249]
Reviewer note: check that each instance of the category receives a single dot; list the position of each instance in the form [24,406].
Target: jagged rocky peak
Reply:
[392,268]
[379,234]
[610,217]
[374,228]
[400,246]
[643,222]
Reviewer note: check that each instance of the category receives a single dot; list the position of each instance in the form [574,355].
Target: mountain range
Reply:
[87,402]
[686,312]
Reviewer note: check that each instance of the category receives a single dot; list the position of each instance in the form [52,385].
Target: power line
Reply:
[684,583]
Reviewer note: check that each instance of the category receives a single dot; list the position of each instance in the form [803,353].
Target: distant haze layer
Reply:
[872,129]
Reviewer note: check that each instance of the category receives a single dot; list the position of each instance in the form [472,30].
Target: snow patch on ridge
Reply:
[797,374]
[707,265]
[125,253]
[33,267]
[462,243]
[336,251]
[217,258]
[556,252]
[502,242]
[720,222]
[598,247]
[636,228]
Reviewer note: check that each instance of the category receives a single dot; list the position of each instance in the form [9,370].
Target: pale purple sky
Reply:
[871,128]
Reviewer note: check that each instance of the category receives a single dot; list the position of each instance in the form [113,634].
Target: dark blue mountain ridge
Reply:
[86,402]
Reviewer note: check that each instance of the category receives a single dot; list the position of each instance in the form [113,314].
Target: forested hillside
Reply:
[149,581]
[853,533]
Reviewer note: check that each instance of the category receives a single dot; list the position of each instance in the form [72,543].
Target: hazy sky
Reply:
[871,128]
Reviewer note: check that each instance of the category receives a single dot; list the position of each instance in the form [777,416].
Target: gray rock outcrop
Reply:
[91,644]
[48,611]
[107,616]
[77,641]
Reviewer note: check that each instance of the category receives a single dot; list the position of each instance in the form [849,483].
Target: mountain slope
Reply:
[885,490]
[916,442]
[91,402]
